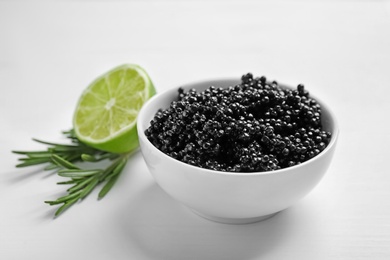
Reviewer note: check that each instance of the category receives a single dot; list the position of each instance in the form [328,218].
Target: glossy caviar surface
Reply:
[254,126]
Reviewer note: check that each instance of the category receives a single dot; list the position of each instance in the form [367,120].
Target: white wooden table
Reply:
[50,51]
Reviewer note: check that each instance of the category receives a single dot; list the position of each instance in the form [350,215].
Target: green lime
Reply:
[106,113]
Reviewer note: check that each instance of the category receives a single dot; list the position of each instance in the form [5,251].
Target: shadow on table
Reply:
[164,229]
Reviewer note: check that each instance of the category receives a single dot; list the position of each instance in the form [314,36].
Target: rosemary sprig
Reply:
[66,160]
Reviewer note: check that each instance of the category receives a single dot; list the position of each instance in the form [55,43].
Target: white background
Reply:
[50,51]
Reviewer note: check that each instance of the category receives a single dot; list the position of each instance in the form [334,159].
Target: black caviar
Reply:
[254,126]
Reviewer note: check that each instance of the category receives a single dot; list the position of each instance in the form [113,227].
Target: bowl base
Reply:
[234,221]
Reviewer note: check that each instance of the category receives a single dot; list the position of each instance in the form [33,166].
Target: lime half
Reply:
[106,113]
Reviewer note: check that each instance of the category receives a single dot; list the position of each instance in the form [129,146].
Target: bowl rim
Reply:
[141,134]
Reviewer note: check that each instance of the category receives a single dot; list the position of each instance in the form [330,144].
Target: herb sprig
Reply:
[66,160]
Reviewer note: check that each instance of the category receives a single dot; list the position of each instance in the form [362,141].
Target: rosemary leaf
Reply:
[64,198]
[88,158]
[28,153]
[61,148]
[89,188]
[72,157]
[111,168]
[34,161]
[65,206]
[79,185]
[78,179]
[39,155]
[107,187]
[51,166]
[120,166]
[77,173]
[62,162]
[24,159]
[67,182]
[53,144]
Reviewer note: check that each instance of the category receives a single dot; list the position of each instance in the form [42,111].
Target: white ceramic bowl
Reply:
[227,196]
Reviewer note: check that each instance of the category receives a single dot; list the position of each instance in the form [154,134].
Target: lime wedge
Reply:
[106,113]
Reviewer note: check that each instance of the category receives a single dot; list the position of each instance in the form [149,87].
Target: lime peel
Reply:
[105,115]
